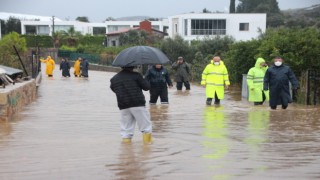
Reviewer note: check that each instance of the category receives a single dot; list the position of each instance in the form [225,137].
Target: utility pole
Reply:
[53,35]
[0,29]
[52,25]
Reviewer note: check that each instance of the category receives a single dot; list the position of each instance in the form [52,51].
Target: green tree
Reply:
[240,58]
[8,55]
[205,10]
[271,7]
[133,37]
[82,19]
[13,25]
[176,47]
[232,8]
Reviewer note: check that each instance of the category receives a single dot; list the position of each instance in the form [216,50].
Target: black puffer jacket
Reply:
[158,77]
[128,86]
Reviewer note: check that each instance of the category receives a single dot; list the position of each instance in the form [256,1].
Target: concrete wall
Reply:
[96,67]
[13,98]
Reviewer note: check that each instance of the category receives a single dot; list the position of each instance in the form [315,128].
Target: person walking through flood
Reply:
[255,82]
[277,80]
[182,73]
[159,80]
[84,67]
[128,86]
[65,67]
[76,67]
[50,65]
[215,79]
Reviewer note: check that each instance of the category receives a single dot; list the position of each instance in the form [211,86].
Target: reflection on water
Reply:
[5,128]
[215,131]
[131,162]
[72,132]
[258,124]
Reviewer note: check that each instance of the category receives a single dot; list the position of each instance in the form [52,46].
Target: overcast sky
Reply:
[99,10]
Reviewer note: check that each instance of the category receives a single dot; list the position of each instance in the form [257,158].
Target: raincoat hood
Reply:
[258,62]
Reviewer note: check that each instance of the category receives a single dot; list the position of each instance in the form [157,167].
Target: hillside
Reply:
[309,16]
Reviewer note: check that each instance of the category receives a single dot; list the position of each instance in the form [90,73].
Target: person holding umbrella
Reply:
[159,79]
[128,86]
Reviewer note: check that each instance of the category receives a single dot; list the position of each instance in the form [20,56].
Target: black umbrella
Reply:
[139,55]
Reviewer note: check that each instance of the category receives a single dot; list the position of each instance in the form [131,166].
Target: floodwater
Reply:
[72,132]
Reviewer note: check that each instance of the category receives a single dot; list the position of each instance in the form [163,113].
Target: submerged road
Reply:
[72,132]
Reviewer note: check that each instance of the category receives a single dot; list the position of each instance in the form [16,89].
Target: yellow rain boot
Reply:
[147,138]
[126,140]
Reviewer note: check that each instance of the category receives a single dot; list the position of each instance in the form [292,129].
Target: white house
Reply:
[189,26]
[200,25]
[46,27]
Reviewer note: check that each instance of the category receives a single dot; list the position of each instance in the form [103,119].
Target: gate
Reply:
[313,89]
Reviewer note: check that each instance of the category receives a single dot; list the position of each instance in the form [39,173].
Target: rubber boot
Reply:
[126,140]
[147,138]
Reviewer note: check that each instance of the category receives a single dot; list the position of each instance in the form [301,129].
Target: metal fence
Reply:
[313,89]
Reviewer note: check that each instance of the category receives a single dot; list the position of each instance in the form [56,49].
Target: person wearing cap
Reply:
[277,80]
[255,82]
[159,80]
[215,79]
[182,75]
[128,86]
[50,65]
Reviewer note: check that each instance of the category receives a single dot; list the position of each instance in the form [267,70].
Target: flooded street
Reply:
[72,131]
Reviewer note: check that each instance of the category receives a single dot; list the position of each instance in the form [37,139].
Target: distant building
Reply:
[200,25]
[112,38]
[191,26]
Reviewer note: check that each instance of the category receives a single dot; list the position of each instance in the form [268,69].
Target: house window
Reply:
[208,27]
[98,30]
[244,27]
[113,43]
[176,28]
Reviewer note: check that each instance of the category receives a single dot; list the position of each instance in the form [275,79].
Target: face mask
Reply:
[278,63]
[216,63]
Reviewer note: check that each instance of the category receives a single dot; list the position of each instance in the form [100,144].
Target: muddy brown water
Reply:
[72,132]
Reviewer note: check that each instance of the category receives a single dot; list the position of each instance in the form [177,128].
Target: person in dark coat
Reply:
[128,86]
[84,67]
[277,80]
[65,67]
[159,80]
[182,73]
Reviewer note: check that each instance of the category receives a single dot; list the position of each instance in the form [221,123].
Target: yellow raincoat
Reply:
[255,82]
[76,68]
[50,65]
[215,78]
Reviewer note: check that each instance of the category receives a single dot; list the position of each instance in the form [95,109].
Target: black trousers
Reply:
[157,91]
[283,104]
[216,99]
[186,84]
